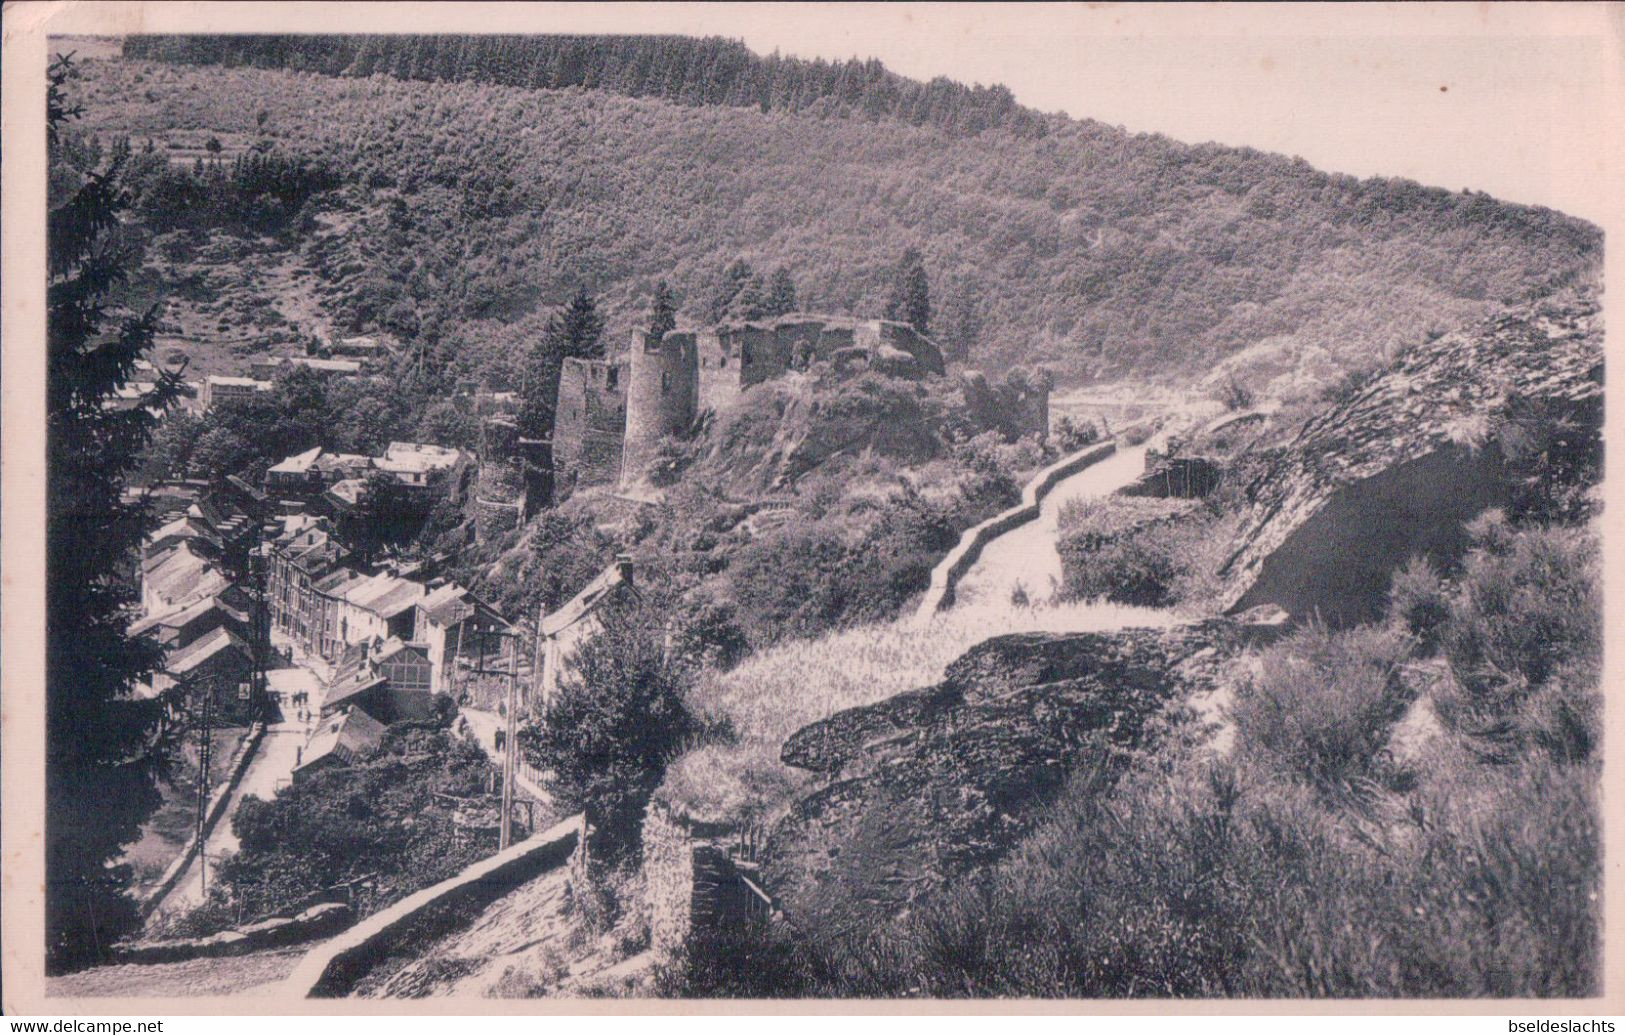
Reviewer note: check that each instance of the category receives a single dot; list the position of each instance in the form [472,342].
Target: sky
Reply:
[1505,98]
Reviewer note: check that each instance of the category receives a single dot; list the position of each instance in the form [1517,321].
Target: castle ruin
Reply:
[613,413]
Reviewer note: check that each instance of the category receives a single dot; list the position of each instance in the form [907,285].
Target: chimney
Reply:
[623,564]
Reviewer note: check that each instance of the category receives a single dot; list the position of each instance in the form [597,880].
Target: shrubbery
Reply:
[387,818]
[1257,873]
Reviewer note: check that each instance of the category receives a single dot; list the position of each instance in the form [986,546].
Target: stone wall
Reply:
[333,968]
[662,396]
[591,423]
[694,877]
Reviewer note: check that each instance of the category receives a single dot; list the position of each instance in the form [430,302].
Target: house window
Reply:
[613,376]
[665,381]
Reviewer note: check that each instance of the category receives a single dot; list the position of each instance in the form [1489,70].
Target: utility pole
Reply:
[510,743]
[204,749]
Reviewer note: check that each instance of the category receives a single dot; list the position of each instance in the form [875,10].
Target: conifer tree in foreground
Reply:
[576,331]
[105,747]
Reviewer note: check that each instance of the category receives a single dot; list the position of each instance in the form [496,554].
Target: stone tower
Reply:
[661,396]
[589,425]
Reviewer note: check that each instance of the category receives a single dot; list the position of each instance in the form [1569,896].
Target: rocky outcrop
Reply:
[929,784]
[1399,465]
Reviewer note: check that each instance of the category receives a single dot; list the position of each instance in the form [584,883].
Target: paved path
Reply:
[1026,556]
[268,771]
[484,726]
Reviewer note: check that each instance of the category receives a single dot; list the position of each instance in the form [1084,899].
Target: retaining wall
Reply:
[691,880]
[211,816]
[945,577]
[333,968]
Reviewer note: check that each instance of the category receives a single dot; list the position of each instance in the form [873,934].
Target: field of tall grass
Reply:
[778,691]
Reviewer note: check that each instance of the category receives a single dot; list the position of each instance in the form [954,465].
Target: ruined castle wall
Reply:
[718,369]
[591,423]
[661,396]
[761,355]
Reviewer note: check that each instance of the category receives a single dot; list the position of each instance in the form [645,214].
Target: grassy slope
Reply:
[1091,249]
[780,690]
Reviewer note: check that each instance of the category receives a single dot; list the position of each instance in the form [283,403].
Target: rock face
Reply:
[931,783]
[1399,466]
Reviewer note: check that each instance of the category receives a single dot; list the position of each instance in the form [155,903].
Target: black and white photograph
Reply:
[808,502]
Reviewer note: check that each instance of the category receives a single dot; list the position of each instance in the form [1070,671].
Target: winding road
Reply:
[1026,556]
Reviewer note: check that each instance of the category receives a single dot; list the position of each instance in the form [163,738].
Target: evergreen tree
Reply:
[751,302]
[781,293]
[910,299]
[574,332]
[578,331]
[736,280]
[662,311]
[106,748]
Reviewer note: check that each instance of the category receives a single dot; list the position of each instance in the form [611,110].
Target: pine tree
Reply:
[910,299]
[105,747]
[575,332]
[751,302]
[579,330]
[781,293]
[662,311]
[735,279]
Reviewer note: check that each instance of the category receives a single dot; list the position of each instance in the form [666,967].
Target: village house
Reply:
[453,623]
[294,476]
[266,367]
[379,607]
[217,389]
[563,631]
[220,663]
[340,740]
[178,575]
[388,679]
[298,560]
[425,468]
[180,627]
[359,347]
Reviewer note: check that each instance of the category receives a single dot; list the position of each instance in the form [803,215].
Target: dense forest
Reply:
[683,69]
[472,209]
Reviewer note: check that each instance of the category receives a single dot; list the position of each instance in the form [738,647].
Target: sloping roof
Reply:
[393,646]
[185,614]
[348,491]
[299,463]
[447,605]
[385,595]
[335,583]
[342,461]
[183,575]
[598,592]
[189,657]
[347,736]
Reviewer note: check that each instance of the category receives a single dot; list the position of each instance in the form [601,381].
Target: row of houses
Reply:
[191,604]
[335,482]
[326,605]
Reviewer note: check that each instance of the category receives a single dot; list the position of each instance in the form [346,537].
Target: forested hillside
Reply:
[470,208]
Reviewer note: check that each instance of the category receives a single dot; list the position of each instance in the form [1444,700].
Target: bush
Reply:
[617,719]
[1524,640]
[1418,602]
[1320,707]
[1139,569]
